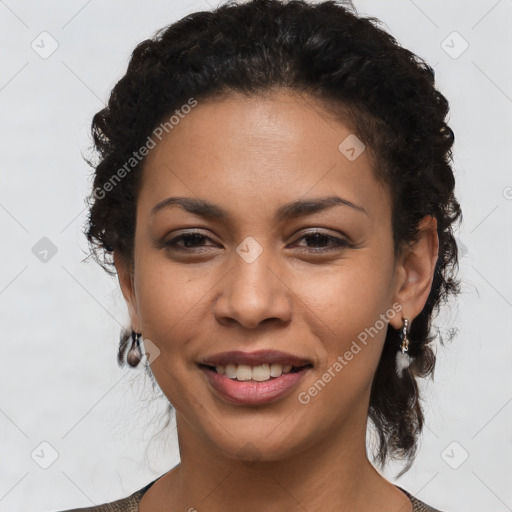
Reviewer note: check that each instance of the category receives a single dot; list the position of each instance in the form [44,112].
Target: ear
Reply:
[126,282]
[415,271]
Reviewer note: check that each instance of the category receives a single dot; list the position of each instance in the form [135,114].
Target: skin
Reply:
[251,155]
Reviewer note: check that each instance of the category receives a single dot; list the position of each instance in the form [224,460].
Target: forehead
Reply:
[258,152]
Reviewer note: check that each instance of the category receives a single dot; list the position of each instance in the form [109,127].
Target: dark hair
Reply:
[354,69]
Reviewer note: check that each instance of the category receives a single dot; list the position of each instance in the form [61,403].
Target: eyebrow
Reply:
[288,211]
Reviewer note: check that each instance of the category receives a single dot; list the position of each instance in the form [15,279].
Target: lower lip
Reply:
[250,392]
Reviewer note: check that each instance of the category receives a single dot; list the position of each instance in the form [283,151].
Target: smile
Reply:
[253,378]
[261,373]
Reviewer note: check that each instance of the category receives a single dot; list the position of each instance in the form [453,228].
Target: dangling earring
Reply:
[134,354]
[403,359]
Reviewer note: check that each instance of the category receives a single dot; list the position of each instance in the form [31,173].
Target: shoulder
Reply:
[418,505]
[128,504]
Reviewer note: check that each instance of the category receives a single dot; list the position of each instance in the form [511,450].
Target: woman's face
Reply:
[257,278]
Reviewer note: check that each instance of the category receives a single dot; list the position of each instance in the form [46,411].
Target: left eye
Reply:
[320,238]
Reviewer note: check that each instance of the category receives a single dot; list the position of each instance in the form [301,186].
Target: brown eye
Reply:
[190,241]
[327,242]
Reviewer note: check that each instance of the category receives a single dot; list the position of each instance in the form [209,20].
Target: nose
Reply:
[253,293]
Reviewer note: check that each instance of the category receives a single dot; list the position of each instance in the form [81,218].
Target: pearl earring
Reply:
[403,359]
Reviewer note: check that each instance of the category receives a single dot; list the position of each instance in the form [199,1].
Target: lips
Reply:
[239,388]
[256,358]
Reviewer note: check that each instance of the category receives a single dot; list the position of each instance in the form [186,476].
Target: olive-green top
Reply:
[131,503]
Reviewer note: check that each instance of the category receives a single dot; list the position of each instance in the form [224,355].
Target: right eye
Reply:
[190,241]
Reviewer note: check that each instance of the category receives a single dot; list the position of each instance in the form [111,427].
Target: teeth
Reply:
[230,371]
[276,370]
[243,372]
[260,373]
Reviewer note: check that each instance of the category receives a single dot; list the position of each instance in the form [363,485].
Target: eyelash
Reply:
[338,243]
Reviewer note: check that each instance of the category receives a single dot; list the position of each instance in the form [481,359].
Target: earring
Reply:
[403,359]
[134,354]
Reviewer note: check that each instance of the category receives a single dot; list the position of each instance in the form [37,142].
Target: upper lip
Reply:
[255,358]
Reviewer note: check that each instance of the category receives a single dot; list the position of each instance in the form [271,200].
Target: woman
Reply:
[274,192]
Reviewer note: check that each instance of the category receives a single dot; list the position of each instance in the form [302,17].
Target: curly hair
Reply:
[353,68]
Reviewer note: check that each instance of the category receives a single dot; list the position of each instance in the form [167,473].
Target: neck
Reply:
[314,478]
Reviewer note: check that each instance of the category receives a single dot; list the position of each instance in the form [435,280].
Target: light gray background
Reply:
[61,319]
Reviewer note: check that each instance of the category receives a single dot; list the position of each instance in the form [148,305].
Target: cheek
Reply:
[346,319]
[343,309]
[170,301]
[172,316]
[352,292]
